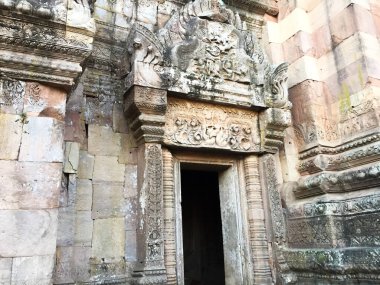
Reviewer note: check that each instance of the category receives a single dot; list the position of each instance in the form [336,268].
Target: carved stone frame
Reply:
[159,258]
[240,187]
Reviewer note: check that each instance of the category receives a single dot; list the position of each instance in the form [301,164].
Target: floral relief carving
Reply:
[154,204]
[204,125]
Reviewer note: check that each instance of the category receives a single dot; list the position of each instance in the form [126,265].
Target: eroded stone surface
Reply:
[108,200]
[107,168]
[29,185]
[33,233]
[10,136]
[33,270]
[109,238]
[42,140]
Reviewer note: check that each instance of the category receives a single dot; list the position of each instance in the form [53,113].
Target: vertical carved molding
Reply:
[145,110]
[256,223]
[150,268]
[169,217]
[277,220]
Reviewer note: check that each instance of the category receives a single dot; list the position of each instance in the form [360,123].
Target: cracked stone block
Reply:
[42,140]
[28,233]
[29,185]
[10,136]
[34,270]
[71,161]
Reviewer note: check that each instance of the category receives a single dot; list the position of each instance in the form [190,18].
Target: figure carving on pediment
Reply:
[205,46]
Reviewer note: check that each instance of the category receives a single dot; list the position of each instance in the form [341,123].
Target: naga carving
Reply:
[205,49]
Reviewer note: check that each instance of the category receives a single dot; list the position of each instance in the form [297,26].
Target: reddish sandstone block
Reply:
[375,9]
[352,19]
[44,101]
[322,42]
[299,45]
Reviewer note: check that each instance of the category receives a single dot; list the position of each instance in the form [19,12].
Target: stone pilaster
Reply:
[256,222]
[145,109]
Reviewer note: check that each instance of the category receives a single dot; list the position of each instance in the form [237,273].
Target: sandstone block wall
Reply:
[69,163]
[330,157]
[31,158]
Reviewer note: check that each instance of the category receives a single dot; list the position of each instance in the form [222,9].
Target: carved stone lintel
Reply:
[199,125]
[150,267]
[145,110]
[205,50]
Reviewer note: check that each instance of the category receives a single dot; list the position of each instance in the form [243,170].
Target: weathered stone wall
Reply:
[97,215]
[69,163]
[331,154]
[31,157]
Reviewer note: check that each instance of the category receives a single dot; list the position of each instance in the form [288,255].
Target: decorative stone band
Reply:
[359,205]
[320,149]
[335,182]
[268,6]
[336,264]
[352,158]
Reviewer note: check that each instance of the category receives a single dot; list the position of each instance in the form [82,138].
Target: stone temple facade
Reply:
[189,142]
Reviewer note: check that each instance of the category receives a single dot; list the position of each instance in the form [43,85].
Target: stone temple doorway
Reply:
[212,238]
[202,228]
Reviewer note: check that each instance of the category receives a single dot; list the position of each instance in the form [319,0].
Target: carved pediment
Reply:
[205,50]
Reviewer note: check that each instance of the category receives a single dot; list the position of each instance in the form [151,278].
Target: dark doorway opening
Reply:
[202,228]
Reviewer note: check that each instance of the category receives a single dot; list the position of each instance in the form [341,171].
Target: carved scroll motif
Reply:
[204,125]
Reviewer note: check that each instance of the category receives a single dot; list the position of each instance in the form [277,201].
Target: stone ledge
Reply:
[55,49]
[350,262]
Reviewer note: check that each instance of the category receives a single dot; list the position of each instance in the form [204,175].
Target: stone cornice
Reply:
[43,49]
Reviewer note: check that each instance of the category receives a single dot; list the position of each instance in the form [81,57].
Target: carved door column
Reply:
[145,109]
